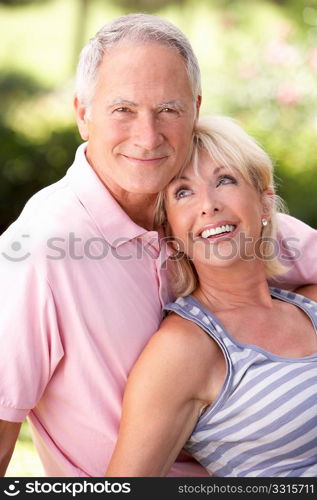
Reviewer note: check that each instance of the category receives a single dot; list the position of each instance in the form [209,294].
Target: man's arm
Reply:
[309,291]
[9,432]
[297,251]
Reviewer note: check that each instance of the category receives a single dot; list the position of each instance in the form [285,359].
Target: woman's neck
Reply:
[232,288]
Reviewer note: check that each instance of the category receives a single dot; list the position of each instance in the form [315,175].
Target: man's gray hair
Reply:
[140,28]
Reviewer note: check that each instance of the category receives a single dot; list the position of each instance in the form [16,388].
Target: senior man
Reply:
[85,291]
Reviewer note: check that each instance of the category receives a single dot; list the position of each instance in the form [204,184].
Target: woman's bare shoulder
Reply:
[186,338]
[182,328]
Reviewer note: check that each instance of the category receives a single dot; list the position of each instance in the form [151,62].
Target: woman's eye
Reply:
[226,179]
[182,193]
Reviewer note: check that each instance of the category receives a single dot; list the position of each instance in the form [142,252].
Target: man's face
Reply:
[140,120]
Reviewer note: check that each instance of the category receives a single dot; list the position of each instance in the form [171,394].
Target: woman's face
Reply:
[214,214]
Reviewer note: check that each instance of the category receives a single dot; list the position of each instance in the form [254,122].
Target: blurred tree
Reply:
[19,3]
[80,30]
[27,166]
[16,87]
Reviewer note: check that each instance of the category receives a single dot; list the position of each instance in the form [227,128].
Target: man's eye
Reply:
[122,109]
[168,110]
[226,179]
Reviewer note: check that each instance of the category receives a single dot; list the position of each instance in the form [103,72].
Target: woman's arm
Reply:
[165,394]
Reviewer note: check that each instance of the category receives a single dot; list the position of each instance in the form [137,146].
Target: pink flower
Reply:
[228,20]
[279,52]
[313,58]
[247,70]
[287,94]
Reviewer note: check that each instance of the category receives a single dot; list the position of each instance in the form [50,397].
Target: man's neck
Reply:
[139,207]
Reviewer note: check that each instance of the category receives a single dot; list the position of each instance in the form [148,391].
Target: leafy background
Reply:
[258,62]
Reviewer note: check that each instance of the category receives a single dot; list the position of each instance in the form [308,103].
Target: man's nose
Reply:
[147,132]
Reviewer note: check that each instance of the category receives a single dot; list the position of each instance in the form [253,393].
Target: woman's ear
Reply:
[268,201]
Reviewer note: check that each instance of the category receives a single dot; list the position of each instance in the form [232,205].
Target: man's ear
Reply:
[81,117]
[268,201]
[197,106]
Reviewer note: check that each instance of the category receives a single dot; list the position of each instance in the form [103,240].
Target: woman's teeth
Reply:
[227,228]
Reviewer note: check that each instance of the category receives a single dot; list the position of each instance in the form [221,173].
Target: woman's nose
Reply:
[210,203]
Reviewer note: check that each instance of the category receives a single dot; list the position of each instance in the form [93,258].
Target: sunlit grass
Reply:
[25,461]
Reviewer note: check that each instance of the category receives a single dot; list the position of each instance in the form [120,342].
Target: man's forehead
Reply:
[120,101]
[146,57]
[131,75]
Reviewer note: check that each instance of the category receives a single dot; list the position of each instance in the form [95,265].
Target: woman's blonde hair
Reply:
[228,145]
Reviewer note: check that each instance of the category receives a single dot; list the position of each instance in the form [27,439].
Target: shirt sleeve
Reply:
[297,251]
[30,342]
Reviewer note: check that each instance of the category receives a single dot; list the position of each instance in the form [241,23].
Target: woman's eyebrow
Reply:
[182,178]
[217,169]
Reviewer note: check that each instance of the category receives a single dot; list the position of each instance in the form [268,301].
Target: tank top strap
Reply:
[189,308]
[307,305]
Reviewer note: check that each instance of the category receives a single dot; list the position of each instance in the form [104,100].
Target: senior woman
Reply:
[231,375]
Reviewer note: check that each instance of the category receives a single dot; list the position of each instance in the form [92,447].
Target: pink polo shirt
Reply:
[82,290]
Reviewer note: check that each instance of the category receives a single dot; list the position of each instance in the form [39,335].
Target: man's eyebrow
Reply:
[121,102]
[171,104]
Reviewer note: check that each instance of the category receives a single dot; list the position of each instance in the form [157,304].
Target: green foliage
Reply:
[25,461]
[19,3]
[26,166]
[16,87]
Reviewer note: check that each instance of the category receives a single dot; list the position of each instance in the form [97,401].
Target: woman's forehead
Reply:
[202,164]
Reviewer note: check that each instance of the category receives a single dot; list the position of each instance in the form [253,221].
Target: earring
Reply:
[264,222]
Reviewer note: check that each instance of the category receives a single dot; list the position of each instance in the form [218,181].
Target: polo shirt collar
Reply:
[112,221]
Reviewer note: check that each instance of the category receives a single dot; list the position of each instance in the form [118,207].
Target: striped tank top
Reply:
[264,420]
